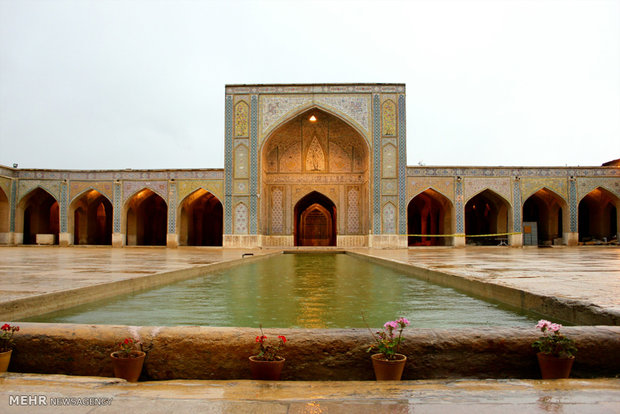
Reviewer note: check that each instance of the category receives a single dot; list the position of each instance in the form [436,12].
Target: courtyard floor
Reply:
[588,274]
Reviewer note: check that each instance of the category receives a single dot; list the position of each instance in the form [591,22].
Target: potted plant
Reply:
[128,360]
[267,364]
[6,345]
[556,352]
[387,362]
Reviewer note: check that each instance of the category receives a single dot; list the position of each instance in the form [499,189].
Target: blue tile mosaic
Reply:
[172,209]
[572,197]
[228,166]
[458,206]
[13,204]
[253,164]
[117,207]
[402,166]
[63,207]
[516,208]
[376,111]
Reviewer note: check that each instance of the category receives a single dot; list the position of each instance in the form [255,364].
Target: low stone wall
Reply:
[312,354]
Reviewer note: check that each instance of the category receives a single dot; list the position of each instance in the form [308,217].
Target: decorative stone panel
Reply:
[389,161]
[277,211]
[132,187]
[52,187]
[585,185]
[241,219]
[389,218]
[501,186]
[530,186]
[443,185]
[242,161]
[516,211]
[242,119]
[79,187]
[353,219]
[186,187]
[388,118]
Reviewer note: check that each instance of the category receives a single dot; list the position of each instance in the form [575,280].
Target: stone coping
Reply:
[213,353]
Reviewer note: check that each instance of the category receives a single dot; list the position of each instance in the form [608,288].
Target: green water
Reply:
[296,291]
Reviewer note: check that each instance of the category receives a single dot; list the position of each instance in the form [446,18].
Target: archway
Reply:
[314,150]
[315,221]
[486,213]
[429,213]
[545,214]
[147,214]
[598,216]
[201,220]
[4,217]
[40,212]
[90,218]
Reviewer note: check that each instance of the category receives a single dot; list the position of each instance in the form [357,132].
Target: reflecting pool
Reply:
[296,291]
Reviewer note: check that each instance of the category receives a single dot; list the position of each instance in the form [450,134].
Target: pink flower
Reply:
[555,327]
[542,324]
[403,322]
[391,324]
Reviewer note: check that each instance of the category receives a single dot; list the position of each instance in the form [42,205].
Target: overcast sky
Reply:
[140,84]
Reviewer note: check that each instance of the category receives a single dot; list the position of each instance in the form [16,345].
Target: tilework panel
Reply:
[241,219]
[277,211]
[389,219]
[475,186]
[353,219]
[242,119]
[228,164]
[355,107]
[117,208]
[241,187]
[515,171]
[389,187]
[516,211]
[5,185]
[458,208]
[443,185]
[388,118]
[242,155]
[530,185]
[585,185]
[79,187]
[315,157]
[254,165]
[172,208]
[13,201]
[572,204]
[376,165]
[402,165]
[132,187]
[185,188]
[64,204]
[388,161]
[320,88]
[52,187]
[276,108]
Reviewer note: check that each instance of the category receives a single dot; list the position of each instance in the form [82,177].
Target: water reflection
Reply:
[296,291]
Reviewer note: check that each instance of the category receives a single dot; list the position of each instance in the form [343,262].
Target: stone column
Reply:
[13,237]
[516,240]
[172,238]
[572,236]
[64,237]
[459,210]
[118,238]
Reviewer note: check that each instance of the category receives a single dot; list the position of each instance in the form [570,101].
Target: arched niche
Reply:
[550,213]
[315,150]
[315,221]
[487,213]
[201,220]
[429,213]
[38,213]
[90,218]
[598,216]
[146,215]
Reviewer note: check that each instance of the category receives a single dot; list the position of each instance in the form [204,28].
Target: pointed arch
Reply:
[90,218]
[598,214]
[487,212]
[4,216]
[315,220]
[430,212]
[146,215]
[88,189]
[545,214]
[200,219]
[37,212]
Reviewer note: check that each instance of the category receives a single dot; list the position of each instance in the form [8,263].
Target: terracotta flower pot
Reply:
[388,370]
[266,370]
[5,358]
[552,367]
[128,368]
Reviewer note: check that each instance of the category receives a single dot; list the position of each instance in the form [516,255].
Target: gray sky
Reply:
[140,84]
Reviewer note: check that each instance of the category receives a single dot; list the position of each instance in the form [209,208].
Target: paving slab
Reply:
[584,274]
[70,394]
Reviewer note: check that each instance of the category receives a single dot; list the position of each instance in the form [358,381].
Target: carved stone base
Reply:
[118,239]
[458,241]
[172,240]
[65,239]
[387,241]
[278,241]
[571,239]
[352,241]
[515,240]
[5,238]
[242,241]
